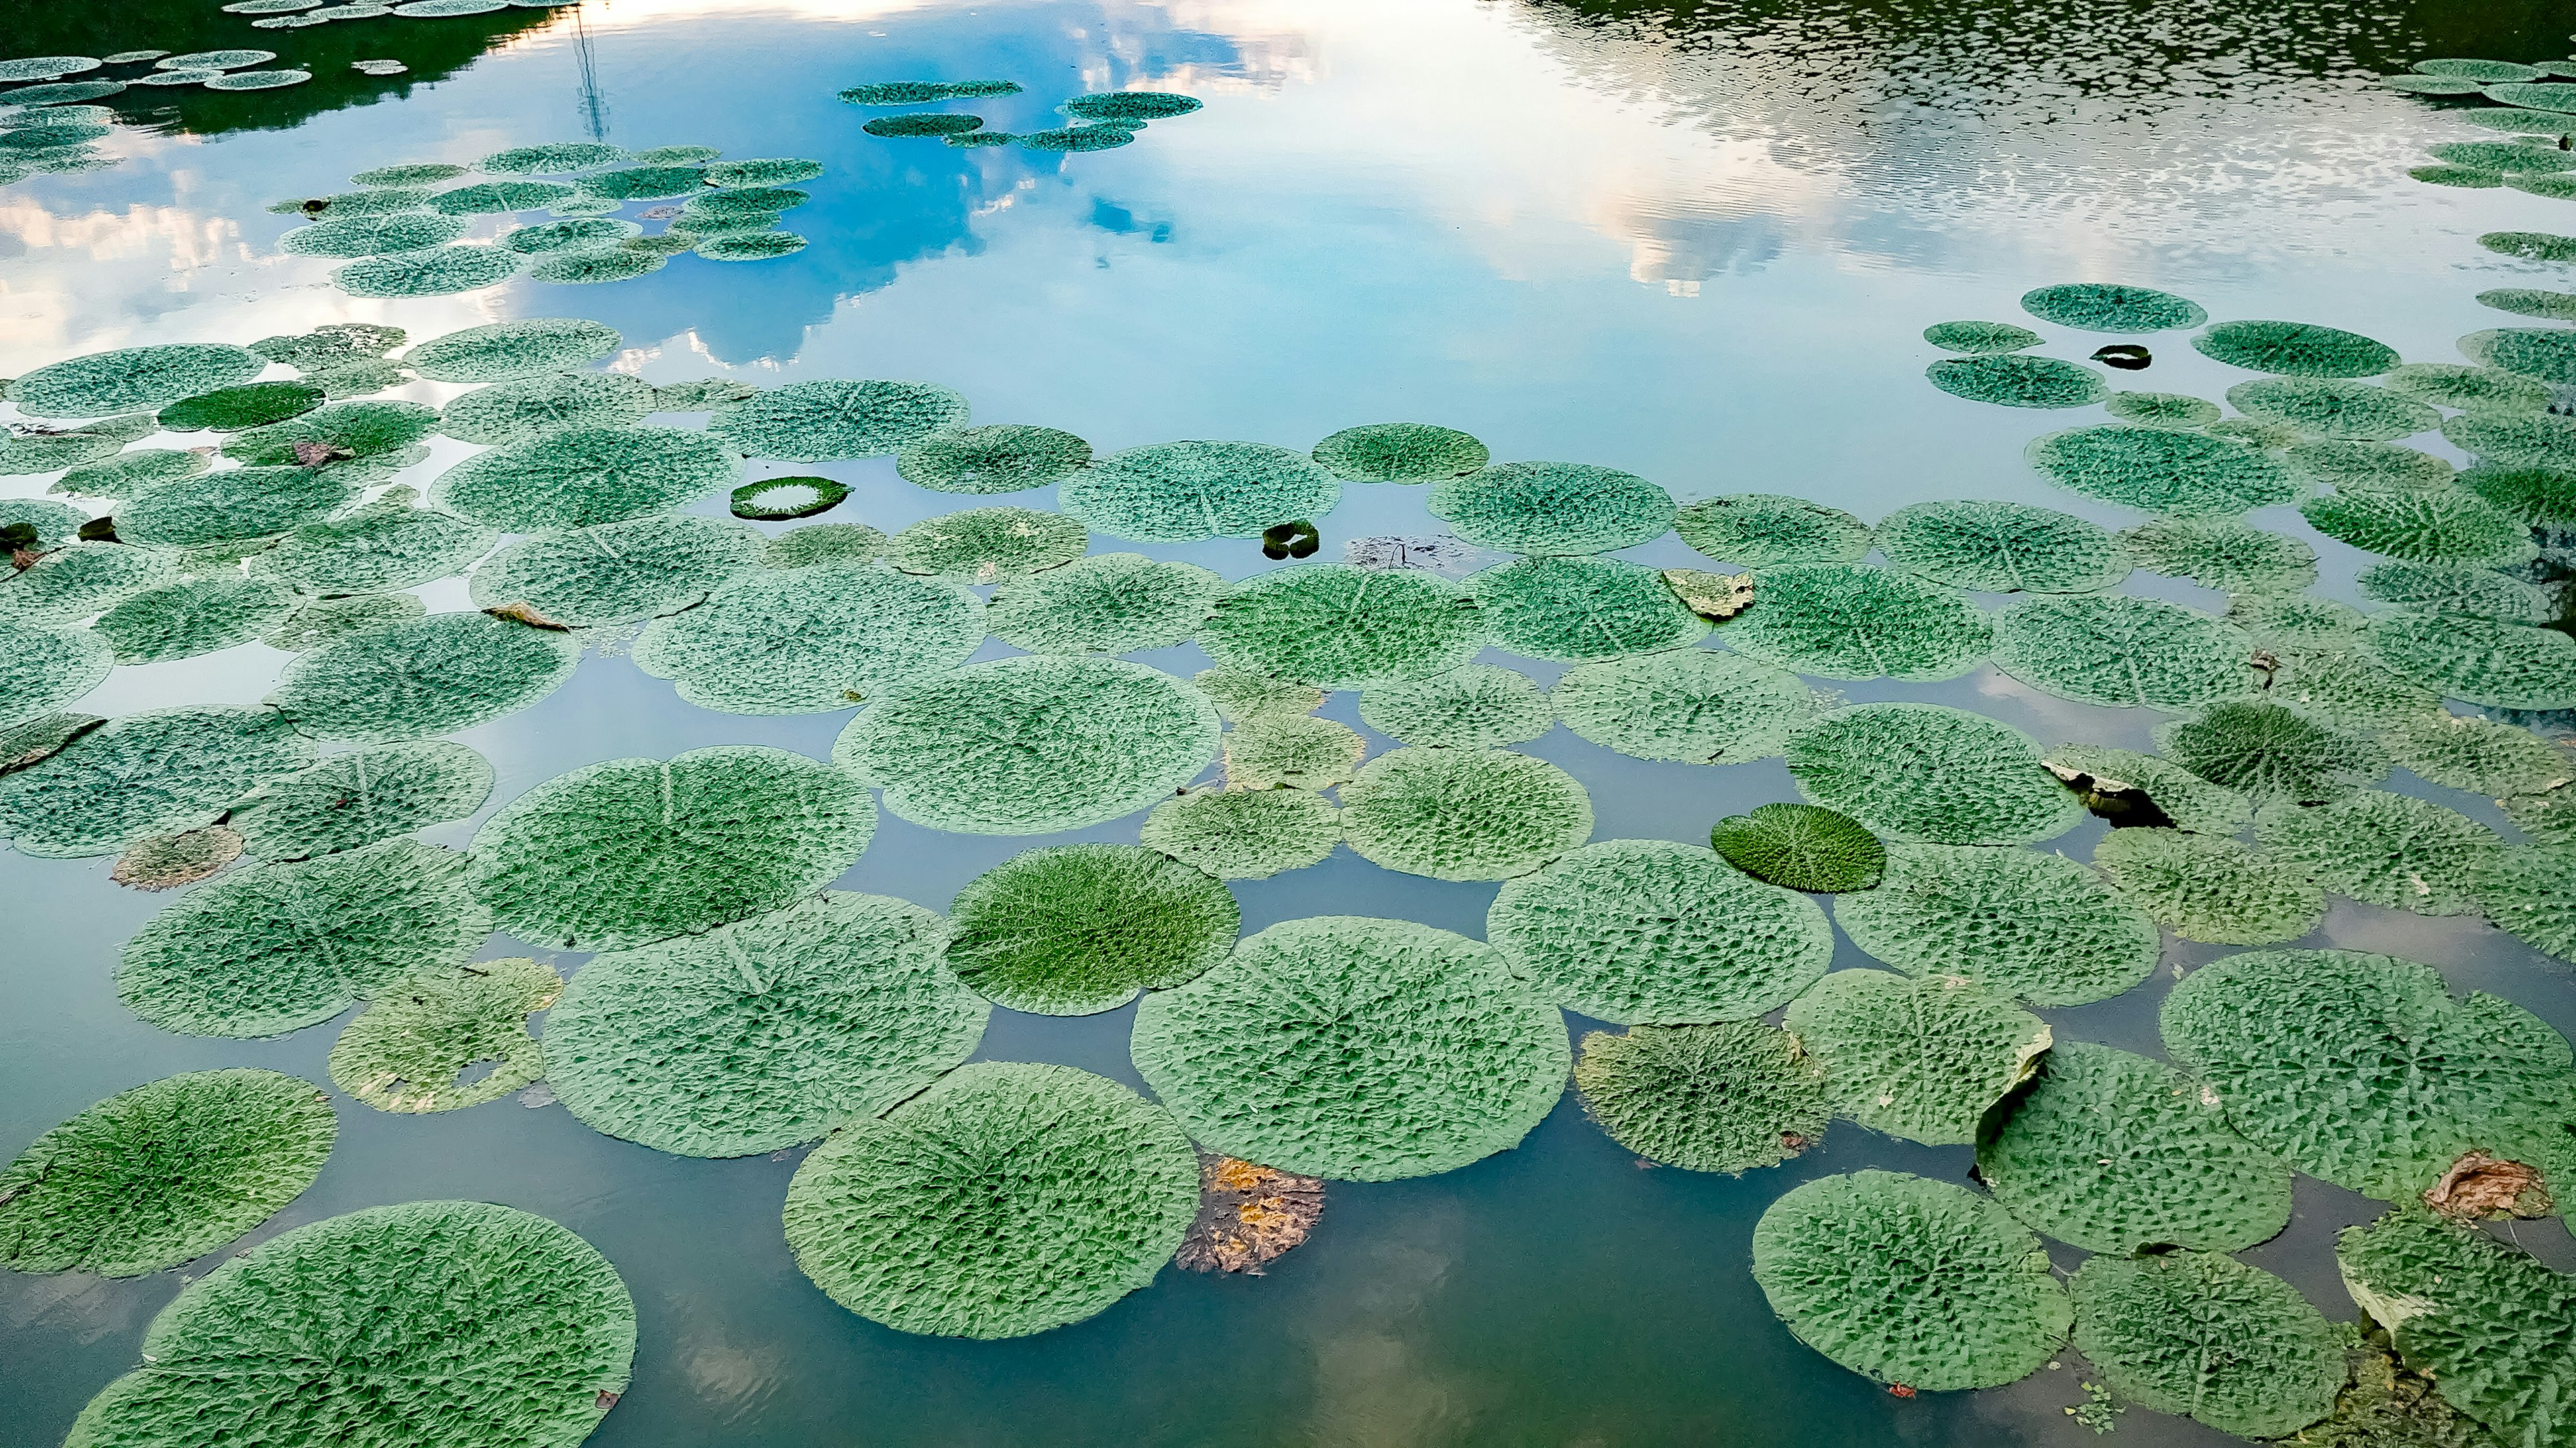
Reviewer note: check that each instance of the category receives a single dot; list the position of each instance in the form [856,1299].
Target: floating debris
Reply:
[1249,1216]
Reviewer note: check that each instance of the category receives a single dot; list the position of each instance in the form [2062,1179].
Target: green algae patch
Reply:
[2223,553]
[1109,603]
[1075,930]
[1731,1097]
[820,421]
[999,458]
[2116,1153]
[2032,925]
[988,545]
[2002,547]
[543,1318]
[1031,745]
[80,580]
[2363,1070]
[1244,834]
[2017,380]
[2450,526]
[385,544]
[434,675]
[2502,665]
[1919,1058]
[1848,621]
[584,475]
[2347,411]
[632,851]
[1401,452]
[278,947]
[503,351]
[1980,338]
[190,617]
[1764,530]
[2206,1337]
[2163,470]
[1473,706]
[2211,888]
[507,412]
[2161,409]
[2389,850]
[1008,1199]
[1464,814]
[1552,508]
[230,409]
[2112,307]
[2271,752]
[2456,588]
[1653,932]
[357,798]
[2482,756]
[230,506]
[2295,349]
[1355,1049]
[1910,1282]
[820,636]
[2487,1321]
[618,572]
[2124,652]
[416,1044]
[1181,492]
[1931,773]
[1801,847]
[154,773]
[1693,706]
[1581,608]
[2525,889]
[765,1033]
[43,669]
[162,1174]
[132,378]
[2470,389]
[1340,627]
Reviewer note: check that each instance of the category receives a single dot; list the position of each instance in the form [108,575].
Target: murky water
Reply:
[1697,242]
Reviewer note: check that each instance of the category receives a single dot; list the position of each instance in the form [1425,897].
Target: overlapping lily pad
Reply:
[190,617]
[1079,929]
[2032,925]
[2389,850]
[2449,526]
[230,409]
[1582,608]
[43,669]
[1845,621]
[446,1038]
[506,412]
[1931,773]
[619,572]
[1552,508]
[579,476]
[2189,801]
[386,544]
[1343,627]
[2163,470]
[2470,389]
[1917,1057]
[1695,706]
[1401,452]
[1180,492]
[816,637]
[1291,750]
[362,796]
[2002,547]
[2486,1322]
[234,505]
[434,675]
[319,621]
[2349,411]
[2483,756]
[1726,1097]
[2542,440]
[436,271]
[2124,652]
[2481,660]
[154,773]
[1244,834]
[988,545]
[1474,706]
[80,580]
[2456,588]
[2272,753]
[1464,814]
[131,378]
[2211,888]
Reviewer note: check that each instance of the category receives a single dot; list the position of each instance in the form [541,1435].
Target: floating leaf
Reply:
[2389,850]
[1080,929]
[2209,1338]
[2270,752]
[154,773]
[2163,470]
[1552,508]
[1801,847]
[1180,492]
[1980,338]
[618,572]
[1764,530]
[1931,773]
[2295,349]
[2124,652]
[2452,526]
[360,797]
[2002,547]
[1581,608]
[191,617]
[2504,665]
[1400,452]
[809,422]
[1920,1058]
[384,545]
[1344,627]
[988,545]
[816,637]
[2112,307]
[42,669]
[501,351]
[2211,888]
[1001,458]
[1109,603]
[1244,834]
[2485,1320]
[1730,1097]
[1464,814]
[104,383]
[584,475]
[1694,706]
[433,675]
[410,1049]
[1847,621]
[2037,926]
[2018,380]
[1473,706]
[2482,756]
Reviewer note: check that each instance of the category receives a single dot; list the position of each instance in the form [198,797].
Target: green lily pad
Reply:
[2211,888]
[1464,814]
[1931,773]
[1080,929]
[1728,1097]
[434,675]
[2032,925]
[413,1047]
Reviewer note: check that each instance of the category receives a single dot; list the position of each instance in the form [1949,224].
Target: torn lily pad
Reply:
[1080,929]
[1931,773]
[413,1047]
[820,636]
[1464,814]
[434,675]
[2027,924]
[357,798]
[1728,1097]
[2130,788]
[1920,1058]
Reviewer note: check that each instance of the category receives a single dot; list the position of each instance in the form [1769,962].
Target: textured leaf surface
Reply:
[1244,834]
[1844,621]
[1341,627]
[2210,888]
[812,638]
[2209,1338]
[1079,929]
[1582,608]
[1728,1097]
[433,675]
[1801,847]
[1932,773]
[2487,1323]
[154,773]
[414,1046]
[2389,850]
[1464,814]
[1919,1058]
[2124,652]
[2033,925]
[1694,706]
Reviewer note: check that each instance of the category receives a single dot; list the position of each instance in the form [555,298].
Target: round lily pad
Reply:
[352,429]
[2540,354]
[275,948]
[2389,850]
[2271,752]
[811,638]
[501,351]
[2356,467]
[2470,389]
[1181,492]
[1008,1199]
[432,272]
[988,545]
[80,580]
[1101,137]
[1000,458]
[1552,508]
[1473,706]
[1401,452]
[2347,688]
[2452,526]
[764,171]
[2161,409]
[1031,745]
[1243,697]
[1846,621]
[1931,773]
[2351,411]
[43,669]
[1920,1058]
[550,160]
[1244,834]
[491,198]
[1694,706]
[1581,608]
[2480,755]
[1764,530]
[2211,888]
[2504,665]
[2112,307]
[1291,750]
[765,1033]
[1632,931]
[104,383]
[1727,1097]
[362,796]
[154,773]
[2292,621]
[2456,588]
[2295,349]
[164,1173]
[2363,1070]
[2124,652]
[775,499]
[2526,889]
[1464,814]
[1343,627]
[1801,847]
[384,545]
[812,422]
[190,617]
[2163,470]
[366,236]
[1909,1281]
[584,475]
[1979,338]
[2116,1153]
[415,1044]
[2511,441]
[507,412]
[750,246]
[230,409]
[434,675]
[592,266]
[2530,302]
[2002,547]
[2032,925]
[542,1315]
[922,123]
[1109,603]
[1079,929]
[619,572]
[571,233]
[2464,1309]
[1356,1049]
[124,474]
[239,503]
[2207,1337]
[2014,379]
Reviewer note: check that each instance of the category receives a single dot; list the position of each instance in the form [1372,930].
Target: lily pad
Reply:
[1080,929]
[1464,814]
[619,572]
[2209,1338]
[191,617]
[1000,458]
[2485,1320]
[2272,753]
[2163,470]
[2295,349]
[2002,547]
[2016,379]
[434,675]
[1109,603]
[2389,850]
[1729,1097]
[1846,621]
[1917,1057]
[812,422]
[154,773]
[2451,526]
[1581,608]
[988,545]
[2032,925]
[501,351]
[1401,452]
[413,1047]
[2112,307]
[362,796]
[579,476]
[385,544]
[811,638]
[2504,665]
[1181,492]
[1764,530]
[1694,706]
[1801,847]
[1244,834]
[2124,652]
[2211,888]
[43,669]
[1473,706]
[104,383]
[1341,627]
[1552,508]
[1931,773]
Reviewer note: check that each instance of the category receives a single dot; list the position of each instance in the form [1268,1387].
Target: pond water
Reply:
[1698,242]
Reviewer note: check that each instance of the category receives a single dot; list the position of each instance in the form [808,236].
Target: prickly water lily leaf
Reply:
[190,617]
[619,572]
[2290,622]
[1031,745]
[2295,349]
[1912,1282]
[43,669]
[2346,411]
[1633,931]
[1980,338]
[105,383]
[2115,1153]
[2480,755]
[819,421]
[1355,1049]
[2488,1322]
[2112,307]
[431,272]
[1920,1058]
[1342,627]
[360,797]
[2163,470]
[55,523]
[2363,1070]
[2124,652]
[2018,380]
[2002,547]
[2470,389]
[506,412]
[1931,773]
[1764,530]
[79,580]
[988,545]
[2449,526]
[823,543]
[154,773]
[1801,847]
[230,409]
[2223,553]
[2543,441]
[592,266]
[2209,1338]
[1291,750]
[1727,1097]
[1000,458]
[2348,688]
[1582,608]
[579,476]
[1552,508]
[501,351]
[2211,888]
[2270,753]
[320,621]
[819,637]
[385,544]
[238,504]
[632,851]
[1181,492]
[2456,588]
[413,1046]
[162,1174]
[2389,850]
[2530,890]
[763,1033]
[1008,1199]
[2481,660]
[1244,834]
[2040,927]
[433,675]
[1401,452]
[2540,354]
[276,948]
[1109,603]
[165,862]
[1845,621]
[541,1315]
[2112,776]
[1695,706]
[1473,706]
[1080,929]
[1464,814]
[2161,409]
